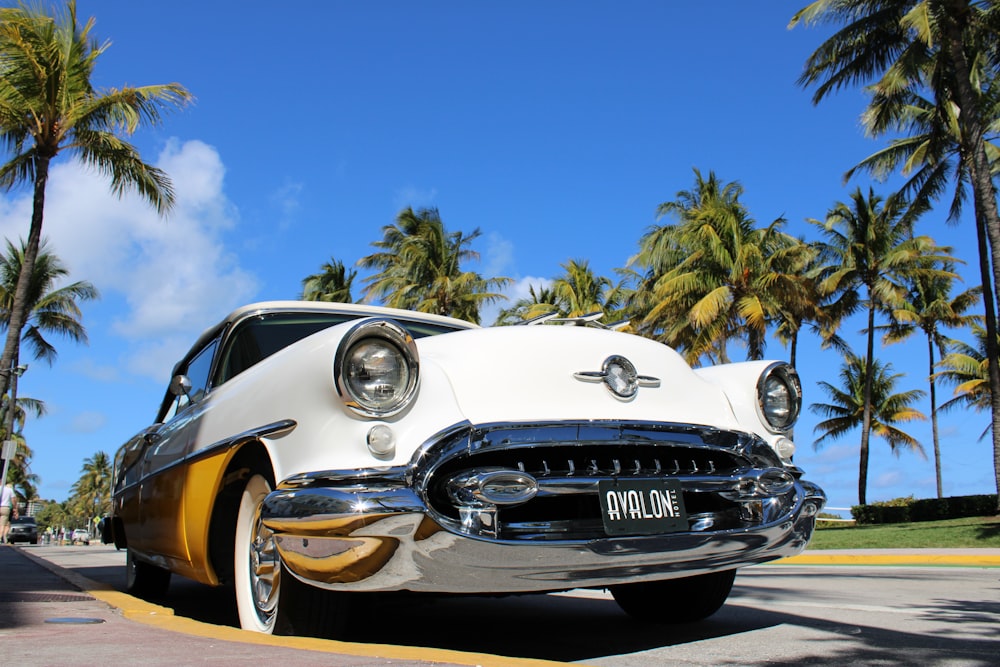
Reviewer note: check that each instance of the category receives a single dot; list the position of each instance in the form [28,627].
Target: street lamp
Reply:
[9,444]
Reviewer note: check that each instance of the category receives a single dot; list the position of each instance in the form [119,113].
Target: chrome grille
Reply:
[567,505]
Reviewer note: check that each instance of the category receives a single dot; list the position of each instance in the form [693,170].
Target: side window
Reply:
[197,371]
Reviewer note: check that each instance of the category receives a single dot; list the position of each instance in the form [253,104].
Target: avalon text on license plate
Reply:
[642,506]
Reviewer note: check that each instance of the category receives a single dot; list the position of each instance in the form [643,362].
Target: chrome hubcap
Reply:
[264,570]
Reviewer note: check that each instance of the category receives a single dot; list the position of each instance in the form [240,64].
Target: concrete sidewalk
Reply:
[50,615]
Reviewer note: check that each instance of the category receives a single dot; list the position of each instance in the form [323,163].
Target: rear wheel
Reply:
[145,580]
[676,600]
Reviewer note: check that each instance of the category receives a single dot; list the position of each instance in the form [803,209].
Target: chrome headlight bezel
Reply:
[391,338]
[779,397]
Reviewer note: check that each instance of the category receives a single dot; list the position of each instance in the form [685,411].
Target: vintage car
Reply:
[304,449]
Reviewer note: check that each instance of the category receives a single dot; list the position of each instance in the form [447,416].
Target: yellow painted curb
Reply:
[161,617]
[384,651]
[955,560]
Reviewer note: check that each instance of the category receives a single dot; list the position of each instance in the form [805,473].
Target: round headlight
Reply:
[375,373]
[376,368]
[779,397]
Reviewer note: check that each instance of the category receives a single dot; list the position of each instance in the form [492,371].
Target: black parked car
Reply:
[23,529]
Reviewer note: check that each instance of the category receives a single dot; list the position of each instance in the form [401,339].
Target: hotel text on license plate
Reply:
[642,506]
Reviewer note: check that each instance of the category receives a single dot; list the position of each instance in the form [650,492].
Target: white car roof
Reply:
[360,308]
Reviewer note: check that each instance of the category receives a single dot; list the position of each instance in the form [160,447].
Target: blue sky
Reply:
[555,127]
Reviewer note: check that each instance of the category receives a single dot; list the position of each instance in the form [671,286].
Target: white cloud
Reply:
[520,289]
[88,422]
[831,458]
[415,198]
[499,256]
[102,373]
[286,200]
[156,358]
[173,273]
[890,479]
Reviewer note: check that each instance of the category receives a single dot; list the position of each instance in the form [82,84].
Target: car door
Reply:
[164,466]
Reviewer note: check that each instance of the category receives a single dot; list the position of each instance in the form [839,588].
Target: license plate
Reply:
[642,506]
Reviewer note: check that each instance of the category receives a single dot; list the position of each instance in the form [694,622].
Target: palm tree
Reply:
[542,301]
[801,306]
[945,53]
[19,468]
[932,158]
[579,291]
[332,284]
[929,307]
[869,250]
[849,407]
[48,311]
[965,367]
[419,268]
[12,427]
[714,277]
[91,493]
[48,105]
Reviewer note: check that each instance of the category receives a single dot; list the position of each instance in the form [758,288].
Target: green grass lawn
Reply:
[974,532]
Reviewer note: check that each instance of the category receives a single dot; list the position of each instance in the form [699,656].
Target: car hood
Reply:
[527,373]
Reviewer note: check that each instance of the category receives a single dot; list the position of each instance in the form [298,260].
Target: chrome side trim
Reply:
[276,429]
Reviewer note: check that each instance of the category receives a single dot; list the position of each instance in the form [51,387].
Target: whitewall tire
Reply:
[256,566]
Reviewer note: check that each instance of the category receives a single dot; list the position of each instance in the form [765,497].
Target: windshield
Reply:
[257,338]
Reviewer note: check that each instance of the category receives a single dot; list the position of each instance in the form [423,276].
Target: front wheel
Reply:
[256,567]
[684,600]
[269,599]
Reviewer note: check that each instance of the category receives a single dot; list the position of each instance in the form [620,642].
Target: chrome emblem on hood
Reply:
[619,375]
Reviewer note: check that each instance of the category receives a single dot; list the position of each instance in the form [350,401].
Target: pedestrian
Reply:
[8,510]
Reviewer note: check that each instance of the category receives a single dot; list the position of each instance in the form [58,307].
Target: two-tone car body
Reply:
[308,448]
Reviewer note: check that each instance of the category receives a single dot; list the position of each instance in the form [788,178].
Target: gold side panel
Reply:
[201,486]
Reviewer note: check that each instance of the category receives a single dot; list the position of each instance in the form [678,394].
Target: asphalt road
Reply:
[777,615]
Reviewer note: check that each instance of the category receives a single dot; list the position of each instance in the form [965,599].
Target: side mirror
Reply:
[180,385]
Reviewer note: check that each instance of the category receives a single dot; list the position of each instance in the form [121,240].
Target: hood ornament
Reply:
[619,375]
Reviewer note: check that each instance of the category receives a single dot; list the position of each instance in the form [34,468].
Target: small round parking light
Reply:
[785,449]
[381,441]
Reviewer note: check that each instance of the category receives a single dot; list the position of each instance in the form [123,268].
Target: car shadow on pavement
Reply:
[550,627]
[588,626]
[569,629]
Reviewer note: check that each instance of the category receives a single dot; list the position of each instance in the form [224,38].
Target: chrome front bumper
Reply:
[382,530]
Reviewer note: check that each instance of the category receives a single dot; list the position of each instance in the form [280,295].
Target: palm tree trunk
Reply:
[992,352]
[954,15]
[18,316]
[934,419]
[866,421]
